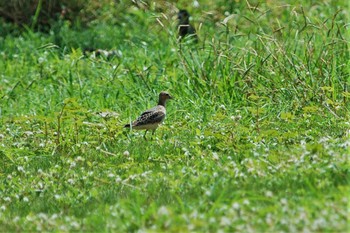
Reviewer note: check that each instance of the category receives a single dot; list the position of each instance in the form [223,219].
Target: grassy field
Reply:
[256,140]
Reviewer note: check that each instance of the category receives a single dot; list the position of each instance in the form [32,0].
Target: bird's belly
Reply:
[147,126]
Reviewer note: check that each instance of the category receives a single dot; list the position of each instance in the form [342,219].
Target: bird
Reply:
[184,26]
[153,117]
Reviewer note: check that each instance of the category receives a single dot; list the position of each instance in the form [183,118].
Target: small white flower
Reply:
[20,169]
[40,185]
[284,201]
[118,179]
[41,60]
[163,211]
[208,193]
[72,165]
[225,221]
[215,156]
[144,174]
[236,206]
[28,133]
[268,194]
[236,118]
[75,224]
[42,216]
[246,202]
[126,153]
[190,227]
[25,199]
[70,181]
[195,4]
[269,219]
[251,170]
[194,214]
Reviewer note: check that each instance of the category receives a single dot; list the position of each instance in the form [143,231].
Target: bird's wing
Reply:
[150,117]
[148,111]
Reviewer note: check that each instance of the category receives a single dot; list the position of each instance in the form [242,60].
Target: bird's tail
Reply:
[127,126]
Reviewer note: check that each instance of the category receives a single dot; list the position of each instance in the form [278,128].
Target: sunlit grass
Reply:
[255,140]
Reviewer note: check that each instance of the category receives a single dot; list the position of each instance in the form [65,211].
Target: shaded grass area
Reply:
[257,138]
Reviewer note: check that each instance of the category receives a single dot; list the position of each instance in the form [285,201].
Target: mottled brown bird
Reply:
[151,118]
[184,27]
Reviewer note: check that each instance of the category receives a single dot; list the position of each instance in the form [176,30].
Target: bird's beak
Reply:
[170,97]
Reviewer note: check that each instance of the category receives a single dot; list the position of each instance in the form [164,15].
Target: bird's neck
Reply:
[161,102]
[184,22]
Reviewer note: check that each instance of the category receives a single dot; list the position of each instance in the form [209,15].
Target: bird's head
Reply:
[163,97]
[183,16]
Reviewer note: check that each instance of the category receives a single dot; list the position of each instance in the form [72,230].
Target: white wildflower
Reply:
[215,156]
[284,201]
[70,181]
[20,169]
[163,211]
[268,194]
[207,193]
[225,221]
[75,224]
[246,202]
[118,179]
[195,4]
[236,206]
[72,165]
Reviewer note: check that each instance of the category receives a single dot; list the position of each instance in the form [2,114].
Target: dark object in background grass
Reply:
[151,118]
[184,27]
[107,54]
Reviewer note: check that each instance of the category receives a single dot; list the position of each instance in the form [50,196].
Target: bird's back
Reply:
[150,118]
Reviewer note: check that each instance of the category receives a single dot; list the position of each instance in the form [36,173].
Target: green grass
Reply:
[256,139]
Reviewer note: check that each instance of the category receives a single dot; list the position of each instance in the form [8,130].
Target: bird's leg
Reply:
[144,136]
[153,131]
